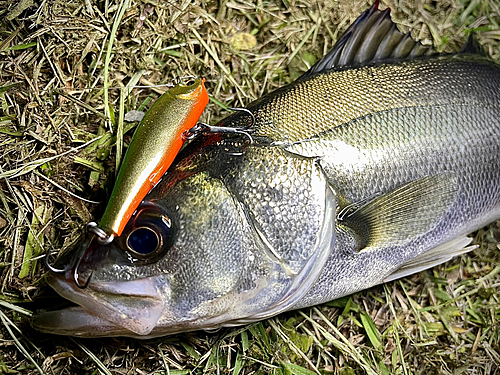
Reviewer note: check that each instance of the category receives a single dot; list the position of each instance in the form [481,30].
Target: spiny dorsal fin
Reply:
[372,37]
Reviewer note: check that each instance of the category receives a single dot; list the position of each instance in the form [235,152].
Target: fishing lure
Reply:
[154,146]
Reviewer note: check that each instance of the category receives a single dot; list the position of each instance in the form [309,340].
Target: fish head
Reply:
[195,255]
[176,267]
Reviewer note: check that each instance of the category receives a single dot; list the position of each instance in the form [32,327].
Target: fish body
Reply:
[156,142]
[370,167]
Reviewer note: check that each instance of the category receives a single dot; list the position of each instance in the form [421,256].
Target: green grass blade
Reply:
[34,242]
[238,364]
[7,324]
[292,369]
[371,331]
[93,357]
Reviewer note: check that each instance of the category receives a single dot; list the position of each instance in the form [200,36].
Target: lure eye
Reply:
[143,241]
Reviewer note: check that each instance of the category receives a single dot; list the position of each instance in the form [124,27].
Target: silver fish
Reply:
[374,165]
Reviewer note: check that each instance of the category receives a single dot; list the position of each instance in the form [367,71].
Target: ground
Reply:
[58,130]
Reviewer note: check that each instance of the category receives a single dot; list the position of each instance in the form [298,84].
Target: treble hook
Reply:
[103,238]
[59,270]
[223,129]
[76,260]
[75,264]
[76,276]
[203,128]
[247,111]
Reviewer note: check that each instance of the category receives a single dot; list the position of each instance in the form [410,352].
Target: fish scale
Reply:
[356,149]
[322,102]
[285,198]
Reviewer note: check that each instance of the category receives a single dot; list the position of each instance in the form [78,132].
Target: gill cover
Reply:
[155,144]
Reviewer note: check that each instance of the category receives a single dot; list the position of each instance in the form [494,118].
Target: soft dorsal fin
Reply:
[372,37]
[472,46]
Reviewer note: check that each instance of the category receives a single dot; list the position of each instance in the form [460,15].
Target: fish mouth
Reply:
[127,308]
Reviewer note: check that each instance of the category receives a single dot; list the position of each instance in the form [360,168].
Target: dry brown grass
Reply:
[55,121]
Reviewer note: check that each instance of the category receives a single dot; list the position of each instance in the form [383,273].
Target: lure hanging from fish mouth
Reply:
[179,108]
[154,146]
[200,128]
[171,121]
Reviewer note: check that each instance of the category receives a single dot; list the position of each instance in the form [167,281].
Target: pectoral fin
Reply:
[408,211]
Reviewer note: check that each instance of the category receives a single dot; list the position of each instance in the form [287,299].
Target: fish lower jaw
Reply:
[75,321]
[104,309]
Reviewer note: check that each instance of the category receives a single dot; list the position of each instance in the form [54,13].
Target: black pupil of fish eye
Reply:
[191,82]
[143,240]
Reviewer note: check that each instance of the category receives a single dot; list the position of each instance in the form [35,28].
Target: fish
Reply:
[373,165]
[154,145]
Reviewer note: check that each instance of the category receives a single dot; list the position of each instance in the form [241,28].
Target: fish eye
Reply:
[191,82]
[143,241]
[149,233]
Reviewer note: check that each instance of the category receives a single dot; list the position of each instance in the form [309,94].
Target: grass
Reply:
[68,71]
